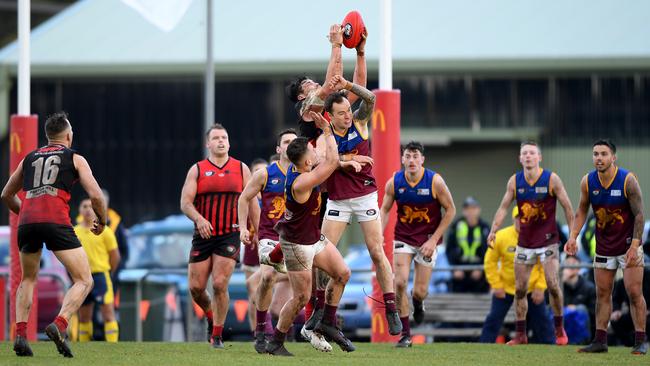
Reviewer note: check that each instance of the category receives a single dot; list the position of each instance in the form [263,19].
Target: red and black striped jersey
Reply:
[48,177]
[217,193]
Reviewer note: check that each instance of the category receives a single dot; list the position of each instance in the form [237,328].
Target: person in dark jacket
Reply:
[467,244]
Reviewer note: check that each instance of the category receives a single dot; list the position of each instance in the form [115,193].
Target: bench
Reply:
[456,315]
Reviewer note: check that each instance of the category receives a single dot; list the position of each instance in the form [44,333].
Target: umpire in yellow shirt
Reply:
[104,258]
[500,274]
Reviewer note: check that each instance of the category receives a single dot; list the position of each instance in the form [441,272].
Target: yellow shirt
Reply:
[503,275]
[97,247]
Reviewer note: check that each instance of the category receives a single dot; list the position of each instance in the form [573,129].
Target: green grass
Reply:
[237,353]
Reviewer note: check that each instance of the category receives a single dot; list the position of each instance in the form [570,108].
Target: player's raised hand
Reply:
[98,227]
[336,35]
[337,82]
[571,247]
[320,121]
[204,227]
[363,159]
[361,47]
[351,166]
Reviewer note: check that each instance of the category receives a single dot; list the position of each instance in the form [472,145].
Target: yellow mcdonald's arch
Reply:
[378,115]
[15,143]
[378,323]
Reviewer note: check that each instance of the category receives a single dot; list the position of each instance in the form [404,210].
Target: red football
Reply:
[353,28]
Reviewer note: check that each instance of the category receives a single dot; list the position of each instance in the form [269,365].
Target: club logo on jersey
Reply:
[615,193]
[275,181]
[222,175]
[368,182]
[521,190]
[401,190]
[595,192]
[278,205]
[288,215]
[235,226]
[209,173]
[541,189]
[532,212]
[371,212]
[423,192]
[230,249]
[410,214]
[605,217]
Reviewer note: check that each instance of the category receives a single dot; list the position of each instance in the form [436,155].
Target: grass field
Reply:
[456,354]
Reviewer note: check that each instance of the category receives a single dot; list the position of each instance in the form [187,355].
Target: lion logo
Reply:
[413,213]
[278,208]
[317,209]
[532,212]
[606,217]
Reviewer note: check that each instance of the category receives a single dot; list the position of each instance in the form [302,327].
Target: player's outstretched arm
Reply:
[502,211]
[560,192]
[306,182]
[11,189]
[95,194]
[249,194]
[447,202]
[360,70]
[571,247]
[387,203]
[368,98]
[335,65]
[188,194]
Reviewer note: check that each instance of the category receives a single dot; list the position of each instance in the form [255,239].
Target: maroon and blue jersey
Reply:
[300,223]
[418,210]
[343,184]
[272,201]
[536,206]
[614,218]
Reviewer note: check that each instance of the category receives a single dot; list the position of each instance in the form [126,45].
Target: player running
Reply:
[47,175]
[209,198]
[615,197]
[536,191]
[303,244]
[421,194]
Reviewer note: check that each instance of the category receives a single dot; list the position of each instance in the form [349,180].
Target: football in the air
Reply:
[353,29]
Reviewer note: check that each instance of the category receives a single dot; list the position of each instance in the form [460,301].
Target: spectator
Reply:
[621,319]
[116,224]
[500,273]
[579,303]
[466,244]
